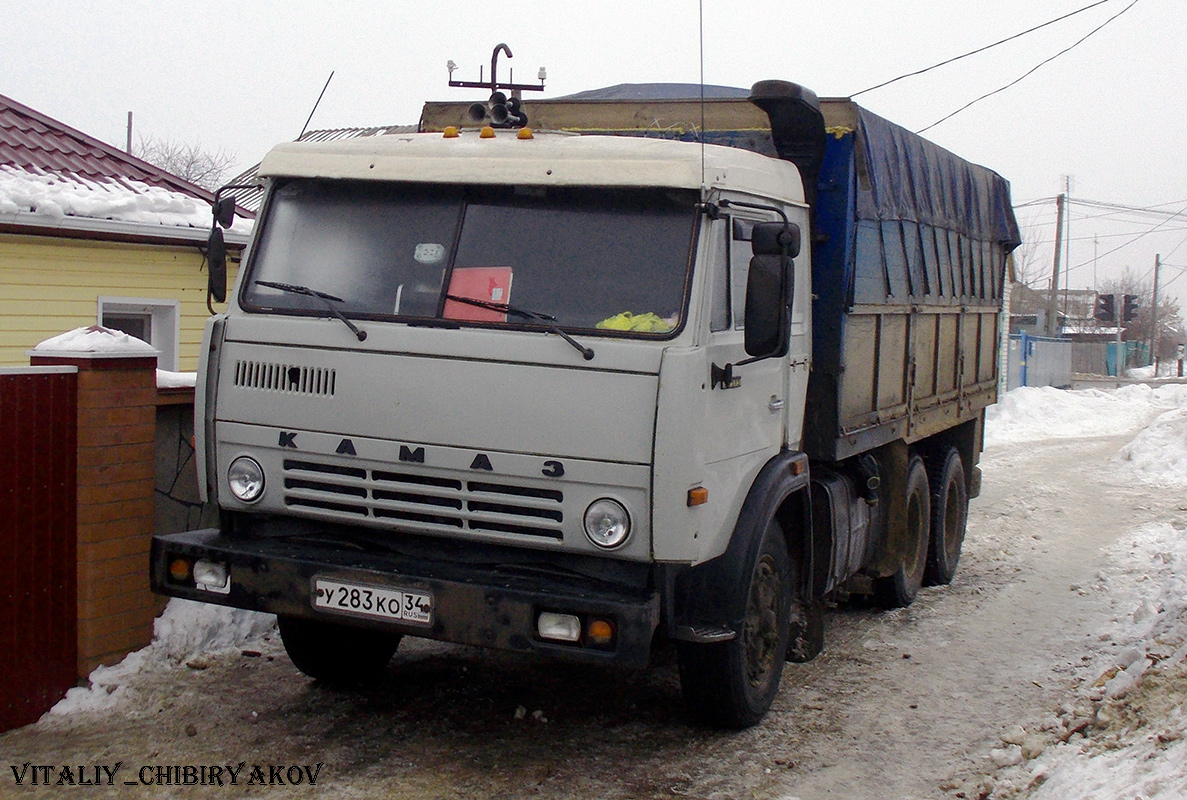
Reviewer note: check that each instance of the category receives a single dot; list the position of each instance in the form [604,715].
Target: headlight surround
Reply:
[607,523]
[245,477]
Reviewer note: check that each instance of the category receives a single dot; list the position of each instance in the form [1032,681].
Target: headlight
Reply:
[607,523]
[246,479]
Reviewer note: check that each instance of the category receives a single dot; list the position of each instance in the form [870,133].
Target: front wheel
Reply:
[731,685]
[336,654]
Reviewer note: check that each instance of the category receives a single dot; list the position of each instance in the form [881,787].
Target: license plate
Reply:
[375,602]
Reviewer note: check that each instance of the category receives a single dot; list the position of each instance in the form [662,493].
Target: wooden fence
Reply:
[38,580]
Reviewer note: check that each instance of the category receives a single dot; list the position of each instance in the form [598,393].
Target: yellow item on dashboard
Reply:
[644,323]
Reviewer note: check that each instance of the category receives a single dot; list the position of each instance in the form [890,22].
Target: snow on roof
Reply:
[53,176]
[58,196]
[95,340]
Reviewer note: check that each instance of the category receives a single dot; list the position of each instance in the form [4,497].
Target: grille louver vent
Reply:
[424,502]
[318,381]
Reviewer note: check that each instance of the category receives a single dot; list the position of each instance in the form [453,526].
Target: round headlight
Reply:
[246,479]
[607,523]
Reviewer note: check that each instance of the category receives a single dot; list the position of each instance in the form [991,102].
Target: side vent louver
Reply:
[285,378]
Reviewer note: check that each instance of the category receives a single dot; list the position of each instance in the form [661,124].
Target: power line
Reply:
[979,49]
[1031,71]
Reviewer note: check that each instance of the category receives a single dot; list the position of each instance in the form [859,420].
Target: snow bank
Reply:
[1030,413]
[184,631]
[95,339]
[1158,455]
[1149,595]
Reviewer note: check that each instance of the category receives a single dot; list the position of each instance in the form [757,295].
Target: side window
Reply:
[719,277]
[740,252]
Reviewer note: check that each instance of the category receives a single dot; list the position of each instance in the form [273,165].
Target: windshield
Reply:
[592,259]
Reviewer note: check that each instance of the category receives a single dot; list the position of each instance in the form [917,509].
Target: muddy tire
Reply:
[731,685]
[949,517]
[336,654]
[899,590]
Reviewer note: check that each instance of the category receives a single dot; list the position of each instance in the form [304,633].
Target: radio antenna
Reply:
[701,42]
[305,127]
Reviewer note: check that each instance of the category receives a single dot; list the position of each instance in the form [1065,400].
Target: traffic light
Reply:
[1105,308]
[1129,308]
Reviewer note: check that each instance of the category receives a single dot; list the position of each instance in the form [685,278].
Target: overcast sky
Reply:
[1109,116]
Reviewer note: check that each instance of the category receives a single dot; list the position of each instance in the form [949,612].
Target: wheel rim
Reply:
[916,520]
[760,633]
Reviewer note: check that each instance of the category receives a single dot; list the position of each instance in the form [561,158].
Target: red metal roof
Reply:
[34,142]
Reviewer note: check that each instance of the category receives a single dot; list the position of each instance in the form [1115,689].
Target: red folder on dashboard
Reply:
[492,284]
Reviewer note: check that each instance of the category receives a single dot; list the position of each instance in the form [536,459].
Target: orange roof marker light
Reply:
[487,132]
[525,133]
[450,132]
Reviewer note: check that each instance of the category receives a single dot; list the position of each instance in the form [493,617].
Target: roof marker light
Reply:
[450,132]
[487,132]
[524,133]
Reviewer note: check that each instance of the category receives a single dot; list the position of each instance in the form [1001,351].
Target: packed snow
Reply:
[176,380]
[1145,584]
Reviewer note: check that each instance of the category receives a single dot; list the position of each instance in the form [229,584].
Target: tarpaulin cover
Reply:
[910,178]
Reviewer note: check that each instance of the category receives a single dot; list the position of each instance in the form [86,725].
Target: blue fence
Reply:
[1039,361]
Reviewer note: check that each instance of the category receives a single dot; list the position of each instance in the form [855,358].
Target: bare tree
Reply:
[191,162]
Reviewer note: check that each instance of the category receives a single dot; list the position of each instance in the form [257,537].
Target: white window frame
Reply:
[164,323]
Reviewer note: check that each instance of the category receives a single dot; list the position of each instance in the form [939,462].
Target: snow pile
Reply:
[95,339]
[185,630]
[1124,734]
[176,380]
[58,196]
[1031,413]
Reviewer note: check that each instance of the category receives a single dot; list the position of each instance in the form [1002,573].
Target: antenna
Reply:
[701,35]
[315,105]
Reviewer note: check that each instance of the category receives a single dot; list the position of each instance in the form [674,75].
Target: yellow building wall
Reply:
[50,285]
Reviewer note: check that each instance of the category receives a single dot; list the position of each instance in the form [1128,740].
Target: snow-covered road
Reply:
[1054,666]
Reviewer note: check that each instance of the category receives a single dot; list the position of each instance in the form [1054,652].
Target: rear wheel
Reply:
[899,590]
[336,654]
[949,517]
[732,684]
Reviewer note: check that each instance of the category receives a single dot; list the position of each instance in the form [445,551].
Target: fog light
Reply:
[211,576]
[600,632]
[179,570]
[245,477]
[558,627]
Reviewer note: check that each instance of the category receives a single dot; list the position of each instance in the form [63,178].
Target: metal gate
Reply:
[38,598]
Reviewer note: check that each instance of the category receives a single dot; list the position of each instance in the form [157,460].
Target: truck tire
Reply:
[336,654]
[899,590]
[949,517]
[731,685]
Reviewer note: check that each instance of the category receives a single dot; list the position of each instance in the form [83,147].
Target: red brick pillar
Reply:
[117,395]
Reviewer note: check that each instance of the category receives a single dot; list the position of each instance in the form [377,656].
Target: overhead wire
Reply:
[1031,71]
[981,49]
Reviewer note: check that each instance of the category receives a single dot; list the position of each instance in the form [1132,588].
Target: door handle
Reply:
[775,404]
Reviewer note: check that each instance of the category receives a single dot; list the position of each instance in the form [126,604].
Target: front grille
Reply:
[285,378]
[424,502]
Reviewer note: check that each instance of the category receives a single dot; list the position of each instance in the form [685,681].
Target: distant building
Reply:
[90,234]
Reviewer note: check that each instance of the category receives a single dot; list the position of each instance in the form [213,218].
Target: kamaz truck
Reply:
[648,372]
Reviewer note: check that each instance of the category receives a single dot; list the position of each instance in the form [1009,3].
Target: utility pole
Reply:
[128,149]
[1154,316]
[1067,241]
[1051,298]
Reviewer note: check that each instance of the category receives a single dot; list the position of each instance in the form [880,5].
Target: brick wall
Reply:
[117,407]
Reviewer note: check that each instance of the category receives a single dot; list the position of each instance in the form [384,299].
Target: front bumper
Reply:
[474,604]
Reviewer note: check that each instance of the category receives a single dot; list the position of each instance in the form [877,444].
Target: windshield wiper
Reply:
[325,298]
[548,320]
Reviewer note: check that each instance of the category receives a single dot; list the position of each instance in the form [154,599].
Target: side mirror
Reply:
[216,265]
[768,306]
[769,288]
[775,239]
[224,211]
